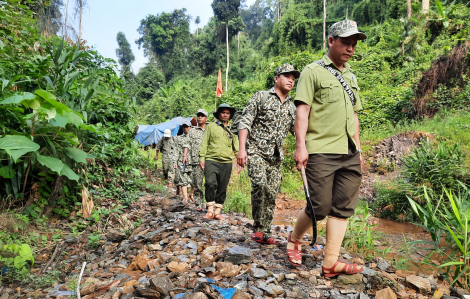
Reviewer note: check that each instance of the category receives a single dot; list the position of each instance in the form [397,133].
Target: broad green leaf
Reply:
[69,173]
[51,114]
[77,154]
[18,98]
[46,95]
[16,146]
[6,173]
[91,128]
[33,103]
[75,119]
[59,121]
[52,163]
[19,262]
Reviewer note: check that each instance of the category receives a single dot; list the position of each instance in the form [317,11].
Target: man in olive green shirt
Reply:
[218,148]
[328,145]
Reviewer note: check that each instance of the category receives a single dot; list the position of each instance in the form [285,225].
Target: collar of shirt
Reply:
[198,127]
[328,61]
[273,91]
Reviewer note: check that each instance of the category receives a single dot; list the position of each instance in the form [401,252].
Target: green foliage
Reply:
[17,257]
[124,52]
[148,80]
[391,201]
[450,222]
[438,168]
[166,36]
[93,240]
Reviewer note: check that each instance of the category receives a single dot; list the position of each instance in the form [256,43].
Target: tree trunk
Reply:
[197,31]
[66,16]
[324,24]
[425,6]
[80,24]
[409,8]
[228,59]
[238,43]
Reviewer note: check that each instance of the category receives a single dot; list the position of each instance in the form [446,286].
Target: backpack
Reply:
[237,116]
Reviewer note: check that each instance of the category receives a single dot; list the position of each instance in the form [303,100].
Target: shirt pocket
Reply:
[331,91]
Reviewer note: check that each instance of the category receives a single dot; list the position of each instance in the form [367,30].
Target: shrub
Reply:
[449,222]
[438,168]
[391,201]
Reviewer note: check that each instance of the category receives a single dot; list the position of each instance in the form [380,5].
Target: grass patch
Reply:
[291,185]
[453,126]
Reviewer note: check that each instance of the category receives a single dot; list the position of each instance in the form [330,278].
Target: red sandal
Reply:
[199,209]
[294,254]
[218,217]
[208,216]
[348,269]
[260,238]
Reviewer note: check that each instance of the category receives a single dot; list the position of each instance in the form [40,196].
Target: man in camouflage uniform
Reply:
[166,145]
[182,161]
[265,122]
[195,136]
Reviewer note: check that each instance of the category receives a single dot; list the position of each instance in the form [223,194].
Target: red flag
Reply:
[219,91]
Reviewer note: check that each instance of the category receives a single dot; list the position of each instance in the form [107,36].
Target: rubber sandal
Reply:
[199,209]
[208,216]
[260,238]
[347,269]
[294,254]
[218,217]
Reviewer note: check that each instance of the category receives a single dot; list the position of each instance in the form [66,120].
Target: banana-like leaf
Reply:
[68,172]
[18,98]
[52,163]
[16,145]
[77,154]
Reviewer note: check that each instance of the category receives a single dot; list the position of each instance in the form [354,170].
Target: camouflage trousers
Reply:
[197,176]
[168,170]
[182,179]
[266,176]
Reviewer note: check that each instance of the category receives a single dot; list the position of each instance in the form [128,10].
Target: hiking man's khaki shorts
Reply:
[333,182]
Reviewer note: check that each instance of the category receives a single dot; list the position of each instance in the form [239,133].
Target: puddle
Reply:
[397,228]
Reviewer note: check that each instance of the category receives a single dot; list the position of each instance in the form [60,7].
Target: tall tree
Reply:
[79,6]
[425,6]
[166,37]
[48,15]
[227,11]
[197,21]
[124,52]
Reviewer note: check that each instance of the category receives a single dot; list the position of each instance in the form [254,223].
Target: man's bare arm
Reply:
[242,157]
[301,126]
[356,135]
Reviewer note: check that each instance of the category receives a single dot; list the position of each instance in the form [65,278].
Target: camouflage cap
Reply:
[346,28]
[286,68]
[203,111]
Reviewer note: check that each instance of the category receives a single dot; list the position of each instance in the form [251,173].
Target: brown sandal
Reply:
[208,216]
[348,269]
[294,254]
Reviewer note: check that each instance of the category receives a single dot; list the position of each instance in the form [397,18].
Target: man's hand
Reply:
[301,157]
[202,164]
[175,166]
[156,158]
[185,159]
[242,158]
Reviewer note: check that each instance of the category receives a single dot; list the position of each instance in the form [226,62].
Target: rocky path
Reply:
[175,255]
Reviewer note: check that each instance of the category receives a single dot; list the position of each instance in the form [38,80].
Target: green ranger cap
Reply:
[286,68]
[346,28]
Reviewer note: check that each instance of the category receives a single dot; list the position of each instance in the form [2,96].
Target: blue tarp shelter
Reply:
[148,134]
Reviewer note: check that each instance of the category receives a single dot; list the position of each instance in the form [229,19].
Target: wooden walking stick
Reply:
[309,203]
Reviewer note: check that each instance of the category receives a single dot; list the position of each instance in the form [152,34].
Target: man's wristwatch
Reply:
[359,150]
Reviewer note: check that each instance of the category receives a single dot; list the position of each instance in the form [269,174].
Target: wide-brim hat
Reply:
[224,106]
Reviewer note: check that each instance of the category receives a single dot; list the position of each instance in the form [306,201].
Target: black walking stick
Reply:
[184,167]
[309,203]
